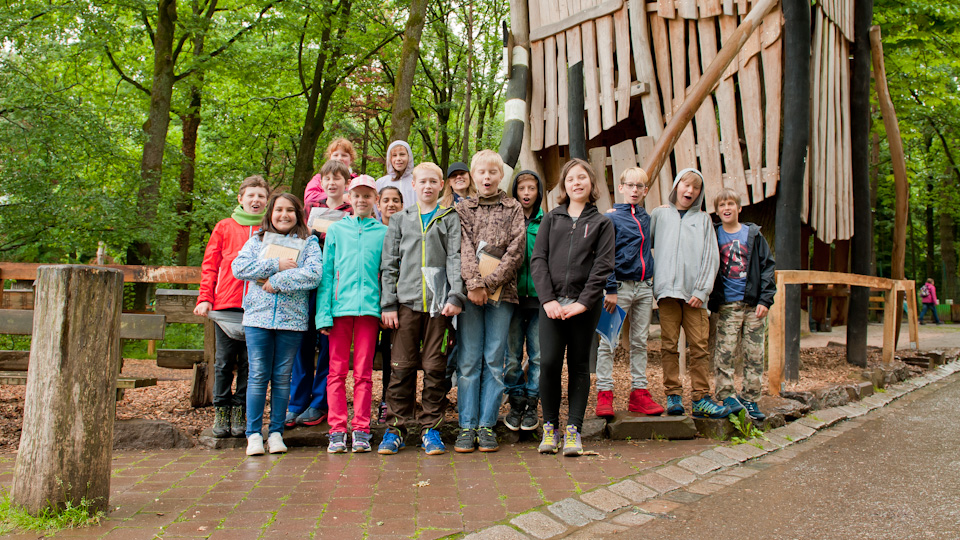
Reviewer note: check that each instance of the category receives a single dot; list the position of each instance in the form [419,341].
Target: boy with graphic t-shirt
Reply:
[743,294]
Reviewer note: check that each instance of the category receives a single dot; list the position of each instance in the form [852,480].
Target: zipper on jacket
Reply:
[566,277]
[643,263]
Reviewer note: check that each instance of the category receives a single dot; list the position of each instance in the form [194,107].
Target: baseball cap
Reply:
[456,167]
[363,181]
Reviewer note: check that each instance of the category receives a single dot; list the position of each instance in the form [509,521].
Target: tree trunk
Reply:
[401,119]
[932,266]
[465,144]
[66,445]
[155,129]
[188,147]
[948,248]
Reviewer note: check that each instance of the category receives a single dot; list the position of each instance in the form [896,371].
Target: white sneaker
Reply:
[275,442]
[255,445]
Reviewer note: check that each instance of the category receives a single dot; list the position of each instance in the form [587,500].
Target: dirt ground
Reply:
[170,399]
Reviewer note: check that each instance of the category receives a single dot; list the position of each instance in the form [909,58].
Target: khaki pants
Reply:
[676,314]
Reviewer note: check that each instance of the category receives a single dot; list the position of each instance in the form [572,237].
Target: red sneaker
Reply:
[641,402]
[605,403]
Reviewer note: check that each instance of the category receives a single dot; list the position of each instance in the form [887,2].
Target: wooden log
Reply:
[74,363]
[901,184]
[605,39]
[649,102]
[890,309]
[591,78]
[909,288]
[776,352]
[701,90]
[550,113]
[201,391]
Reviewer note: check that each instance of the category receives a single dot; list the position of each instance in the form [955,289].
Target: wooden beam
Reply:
[20,378]
[14,360]
[600,10]
[183,275]
[794,277]
[179,358]
[890,309]
[777,348]
[19,322]
[177,305]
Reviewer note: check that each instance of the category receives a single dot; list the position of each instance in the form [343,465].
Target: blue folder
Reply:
[610,324]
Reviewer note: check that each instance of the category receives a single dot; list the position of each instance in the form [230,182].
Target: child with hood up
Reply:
[399,165]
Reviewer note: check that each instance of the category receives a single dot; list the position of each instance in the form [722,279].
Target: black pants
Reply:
[575,337]
[231,354]
[383,347]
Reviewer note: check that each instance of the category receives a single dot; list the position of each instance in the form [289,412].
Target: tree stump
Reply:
[66,444]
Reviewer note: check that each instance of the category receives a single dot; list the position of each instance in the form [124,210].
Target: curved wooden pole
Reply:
[703,87]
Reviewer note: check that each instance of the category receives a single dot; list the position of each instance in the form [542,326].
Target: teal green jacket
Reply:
[351,270]
[525,286]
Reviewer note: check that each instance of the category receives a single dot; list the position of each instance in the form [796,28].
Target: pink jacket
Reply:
[932,297]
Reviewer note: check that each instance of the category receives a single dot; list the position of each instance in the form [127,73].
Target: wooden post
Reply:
[778,332]
[66,445]
[890,309]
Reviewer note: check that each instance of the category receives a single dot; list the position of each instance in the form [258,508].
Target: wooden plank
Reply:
[537,96]
[563,128]
[830,178]
[14,360]
[687,9]
[591,79]
[909,288]
[666,9]
[177,305]
[816,277]
[685,151]
[624,156]
[661,48]
[622,31]
[709,8]
[576,19]
[890,309]
[563,10]
[750,106]
[708,138]
[729,7]
[598,160]
[550,114]
[184,275]
[608,104]
[777,347]
[645,148]
[847,171]
[771,57]
[742,8]
[15,299]
[20,378]
[726,95]
[19,322]
[533,14]
[179,358]
[548,16]
[820,123]
[649,102]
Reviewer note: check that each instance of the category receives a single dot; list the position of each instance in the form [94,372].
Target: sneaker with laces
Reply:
[312,417]
[733,404]
[238,421]
[338,443]
[432,445]
[531,420]
[275,443]
[548,444]
[255,445]
[466,441]
[487,440]
[382,414]
[674,405]
[753,410]
[361,442]
[514,418]
[605,403]
[706,407]
[290,420]
[641,402]
[572,446]
[391,443]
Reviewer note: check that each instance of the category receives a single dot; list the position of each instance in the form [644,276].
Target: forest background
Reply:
[132,122]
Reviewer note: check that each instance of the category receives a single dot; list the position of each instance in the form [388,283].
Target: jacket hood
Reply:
[538,203]
[698,203]
[391,172]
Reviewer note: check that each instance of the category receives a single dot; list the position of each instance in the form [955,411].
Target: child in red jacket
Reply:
[219,290]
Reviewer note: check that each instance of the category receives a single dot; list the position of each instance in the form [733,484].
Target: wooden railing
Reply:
[889,287]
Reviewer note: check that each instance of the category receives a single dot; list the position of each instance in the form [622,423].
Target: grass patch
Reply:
[13,518]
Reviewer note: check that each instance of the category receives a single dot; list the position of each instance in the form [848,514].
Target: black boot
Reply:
[221,422]
[238,421]
[531,420]
[513,418]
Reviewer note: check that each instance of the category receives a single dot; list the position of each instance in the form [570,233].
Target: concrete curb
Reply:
[638,499]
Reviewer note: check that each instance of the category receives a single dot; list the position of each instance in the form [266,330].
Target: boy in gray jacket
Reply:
[424,235]
[685,248]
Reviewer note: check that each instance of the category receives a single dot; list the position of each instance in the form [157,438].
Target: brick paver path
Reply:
[225,494]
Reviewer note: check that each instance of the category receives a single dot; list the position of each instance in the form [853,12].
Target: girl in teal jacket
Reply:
[348,310]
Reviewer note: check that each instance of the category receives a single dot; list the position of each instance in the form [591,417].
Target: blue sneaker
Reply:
[675,405]
[706,407]
[753,410]
[733,404]
[391,443]
[432,444]
[338,443]
[361,442]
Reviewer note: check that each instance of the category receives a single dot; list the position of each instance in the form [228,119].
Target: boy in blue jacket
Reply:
[348,311]
[630,286]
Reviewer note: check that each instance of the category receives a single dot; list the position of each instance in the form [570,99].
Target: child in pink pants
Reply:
[348,310]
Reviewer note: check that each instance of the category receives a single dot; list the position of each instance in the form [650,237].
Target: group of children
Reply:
[450,274]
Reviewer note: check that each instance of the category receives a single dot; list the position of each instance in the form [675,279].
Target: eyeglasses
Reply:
[631,185]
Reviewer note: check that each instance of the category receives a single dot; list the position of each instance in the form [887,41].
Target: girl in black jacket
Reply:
[572,259]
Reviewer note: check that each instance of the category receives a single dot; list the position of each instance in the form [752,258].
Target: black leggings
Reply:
[575,337]
[383,347]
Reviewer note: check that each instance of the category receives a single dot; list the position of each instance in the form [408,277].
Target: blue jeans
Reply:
[270,354]
[309,378]
[524,325]
[482,339]
[933,309]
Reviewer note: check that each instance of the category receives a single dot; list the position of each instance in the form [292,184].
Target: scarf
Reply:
[246,218]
